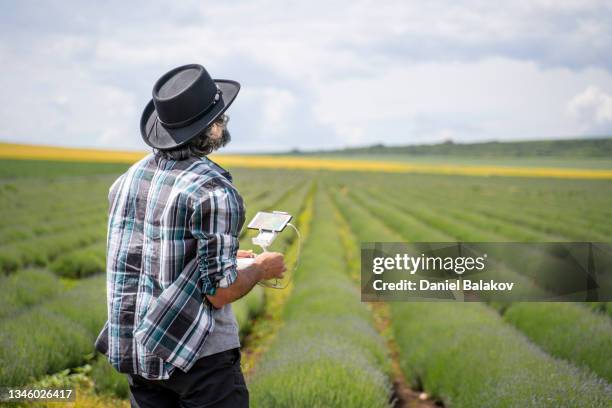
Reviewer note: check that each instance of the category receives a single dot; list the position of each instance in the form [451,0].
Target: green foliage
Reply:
[85,304]
[279,197]
[81,262]
[50,169]
[608,308]
[107,380]
[38,343]
[327,353]
[52,335]
[15,233]
[247,308]
[465,354]
[41,251]
[9,261]
[567,330]
[26,288]
[54,215]
[541,148]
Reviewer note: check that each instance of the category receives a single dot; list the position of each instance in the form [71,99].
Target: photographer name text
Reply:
[423,264]
[425,284]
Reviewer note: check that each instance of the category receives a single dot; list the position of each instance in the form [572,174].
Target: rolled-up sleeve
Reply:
[216,221]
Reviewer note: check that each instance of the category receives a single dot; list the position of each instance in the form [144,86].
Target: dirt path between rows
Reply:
[403,395]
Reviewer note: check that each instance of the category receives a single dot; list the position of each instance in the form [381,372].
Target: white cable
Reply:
[297,263]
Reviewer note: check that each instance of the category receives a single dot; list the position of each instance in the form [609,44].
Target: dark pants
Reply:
[214,381]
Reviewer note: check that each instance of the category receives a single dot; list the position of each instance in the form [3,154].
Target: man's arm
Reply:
[267,265]
[246,279]
[215,223]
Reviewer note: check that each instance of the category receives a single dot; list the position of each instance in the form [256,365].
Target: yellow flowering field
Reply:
[20,151]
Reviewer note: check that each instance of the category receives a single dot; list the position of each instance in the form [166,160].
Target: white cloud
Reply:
[592,108]
[359,72]
[277,105]
[487,99]
[350,134]
[63,105]
[272,107]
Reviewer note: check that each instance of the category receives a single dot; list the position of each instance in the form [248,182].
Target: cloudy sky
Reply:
[314,74]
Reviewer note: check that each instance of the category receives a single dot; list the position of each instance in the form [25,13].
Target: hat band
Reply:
[195,117]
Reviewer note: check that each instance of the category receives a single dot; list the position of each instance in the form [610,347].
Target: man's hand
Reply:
[268,265]
[272,265]
[243,253]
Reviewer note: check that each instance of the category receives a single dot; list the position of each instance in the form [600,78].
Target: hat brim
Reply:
[158,136]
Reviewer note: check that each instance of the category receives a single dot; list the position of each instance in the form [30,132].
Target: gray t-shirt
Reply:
[225,334]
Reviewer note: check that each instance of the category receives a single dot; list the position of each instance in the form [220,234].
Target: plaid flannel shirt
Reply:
[172,238]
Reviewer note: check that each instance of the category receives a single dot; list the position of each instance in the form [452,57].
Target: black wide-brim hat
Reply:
[186,100]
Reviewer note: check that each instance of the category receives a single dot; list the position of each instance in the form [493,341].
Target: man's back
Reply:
[172,238]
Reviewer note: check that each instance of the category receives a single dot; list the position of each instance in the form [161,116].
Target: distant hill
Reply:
[600,147]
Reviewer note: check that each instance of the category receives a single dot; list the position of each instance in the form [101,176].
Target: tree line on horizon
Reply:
[595,147]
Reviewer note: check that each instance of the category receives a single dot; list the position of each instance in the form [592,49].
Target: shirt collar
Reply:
[218,168]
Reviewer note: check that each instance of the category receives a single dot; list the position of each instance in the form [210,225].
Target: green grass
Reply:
[506,161]
[465,354]
[251,306]
[9,261]
[54,216]
[52,335]
[81,262]
[107,380]
[567,330]
[41,251]
[26,288]
[327,353]
[20,169]
[609,308]
[248,308]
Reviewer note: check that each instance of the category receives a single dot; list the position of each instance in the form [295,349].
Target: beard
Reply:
[216,144]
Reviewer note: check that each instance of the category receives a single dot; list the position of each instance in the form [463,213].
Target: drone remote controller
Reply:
[269,225]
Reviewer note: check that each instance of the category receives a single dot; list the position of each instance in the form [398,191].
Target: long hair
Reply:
[201,145]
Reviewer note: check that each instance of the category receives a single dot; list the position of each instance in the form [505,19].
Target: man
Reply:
[172,245]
